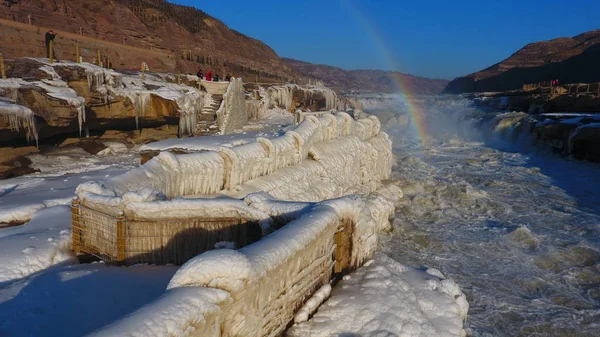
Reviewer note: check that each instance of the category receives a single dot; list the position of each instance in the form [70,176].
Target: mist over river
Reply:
[517,227]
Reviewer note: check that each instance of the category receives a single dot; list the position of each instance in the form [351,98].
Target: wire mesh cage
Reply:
[115,239]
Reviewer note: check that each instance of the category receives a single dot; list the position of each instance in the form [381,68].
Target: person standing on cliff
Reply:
[50,35]
[200,74]
[228,78]
[209,75]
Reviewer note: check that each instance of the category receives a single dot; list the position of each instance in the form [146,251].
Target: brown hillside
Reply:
[563,58]
[366,80]
[192,37]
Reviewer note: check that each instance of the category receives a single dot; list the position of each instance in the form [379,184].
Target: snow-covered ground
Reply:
[386,298]
[61,173]
[273,126]
[73,301]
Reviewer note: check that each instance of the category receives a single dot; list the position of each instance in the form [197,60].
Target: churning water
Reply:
[517,228]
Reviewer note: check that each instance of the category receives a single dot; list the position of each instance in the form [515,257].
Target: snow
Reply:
[312,304]
[188,311]
[224,269]
[386,298]
[76,300]
[180,208]
[41,243]
[45,240]
[21,197]
[205,143]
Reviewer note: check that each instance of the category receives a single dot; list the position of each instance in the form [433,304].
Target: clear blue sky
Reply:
[434,38]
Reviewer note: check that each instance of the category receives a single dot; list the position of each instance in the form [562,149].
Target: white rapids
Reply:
[518,229]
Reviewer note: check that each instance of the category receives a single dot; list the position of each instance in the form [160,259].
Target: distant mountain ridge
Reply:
[365,80]
[568,59]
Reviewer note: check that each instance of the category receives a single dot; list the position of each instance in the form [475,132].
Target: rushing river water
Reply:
[517,228]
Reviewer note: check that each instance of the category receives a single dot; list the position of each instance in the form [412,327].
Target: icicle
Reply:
[140,102]
[20,117]
[190,105]
[81,117]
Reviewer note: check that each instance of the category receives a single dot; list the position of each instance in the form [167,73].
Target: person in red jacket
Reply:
[209,75]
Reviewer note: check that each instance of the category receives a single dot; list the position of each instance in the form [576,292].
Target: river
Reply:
[516,227]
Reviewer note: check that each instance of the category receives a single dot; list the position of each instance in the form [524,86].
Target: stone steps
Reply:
[207,121]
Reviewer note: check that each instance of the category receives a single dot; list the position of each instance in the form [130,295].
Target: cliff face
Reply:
[193,38]
[366,80]
[570,60]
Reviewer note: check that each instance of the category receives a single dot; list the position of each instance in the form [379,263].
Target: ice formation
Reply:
[19,117]
[232,113]
[189,100]
[282,96]
[345,155]
[258,109]
[385,295]
[294,260]
[111,84]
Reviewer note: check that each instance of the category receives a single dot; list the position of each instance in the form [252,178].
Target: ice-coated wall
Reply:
[232,113]
[282,96]
[321,158]
[256,290]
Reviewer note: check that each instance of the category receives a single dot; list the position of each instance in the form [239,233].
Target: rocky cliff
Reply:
[571,60]
[189,37]
[366,80]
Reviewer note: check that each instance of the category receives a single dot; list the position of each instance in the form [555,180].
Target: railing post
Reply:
[339,252]
[77,52]
[2,69]
[99,59]
[75,226]
[51,52]
[121,242]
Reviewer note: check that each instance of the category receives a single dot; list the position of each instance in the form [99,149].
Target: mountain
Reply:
[169,38]
[568,59]
[192,38]
[365,80]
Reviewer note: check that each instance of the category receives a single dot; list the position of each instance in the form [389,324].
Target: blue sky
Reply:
[434,38]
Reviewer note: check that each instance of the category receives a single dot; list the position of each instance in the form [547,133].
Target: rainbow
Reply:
[417,117]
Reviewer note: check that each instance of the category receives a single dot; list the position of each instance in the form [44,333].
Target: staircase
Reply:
[207,121]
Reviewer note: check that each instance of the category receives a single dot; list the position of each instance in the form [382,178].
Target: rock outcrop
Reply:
[44,100]
[571,134]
